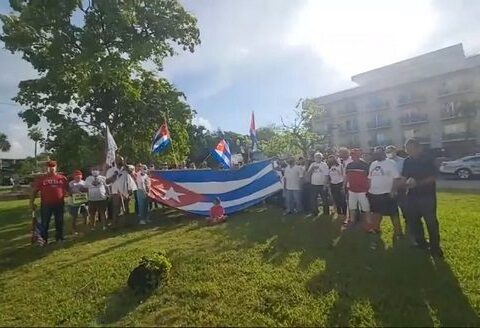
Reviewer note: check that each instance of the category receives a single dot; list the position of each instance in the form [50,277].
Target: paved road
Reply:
[449,183]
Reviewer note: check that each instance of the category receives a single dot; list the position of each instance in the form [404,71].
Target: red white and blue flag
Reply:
[194,191]
[222,154]
[253,133]
[161,140]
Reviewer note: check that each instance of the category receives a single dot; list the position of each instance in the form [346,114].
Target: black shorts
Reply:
[383,204]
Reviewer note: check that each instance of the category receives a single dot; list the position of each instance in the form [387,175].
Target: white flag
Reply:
[111,148]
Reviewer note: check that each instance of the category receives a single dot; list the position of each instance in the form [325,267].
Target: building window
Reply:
[409,134]
[455,128]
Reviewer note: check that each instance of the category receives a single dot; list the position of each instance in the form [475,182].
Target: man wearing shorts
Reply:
[384,178]
[97,197]
[357,186]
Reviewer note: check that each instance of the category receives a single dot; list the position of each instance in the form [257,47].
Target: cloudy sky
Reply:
[263,55]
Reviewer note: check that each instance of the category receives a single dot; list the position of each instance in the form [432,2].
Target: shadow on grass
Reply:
[20,252]
[403,286]
[312,237]
[120,304]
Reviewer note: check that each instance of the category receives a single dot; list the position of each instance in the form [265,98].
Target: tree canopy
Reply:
[4,143]
[92,58]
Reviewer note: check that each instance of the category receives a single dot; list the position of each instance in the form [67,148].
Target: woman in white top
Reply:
[337,177]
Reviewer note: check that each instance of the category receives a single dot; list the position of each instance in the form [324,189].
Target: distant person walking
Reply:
[53,188]
[143,186]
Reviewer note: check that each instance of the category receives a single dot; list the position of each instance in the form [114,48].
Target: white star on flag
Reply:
[172,194]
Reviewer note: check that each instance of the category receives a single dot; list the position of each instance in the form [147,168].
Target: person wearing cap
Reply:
[418,177]
[53,188]
[97,197]
[384,178]
[77,188]
[357,185]
[143,186]
[318,172]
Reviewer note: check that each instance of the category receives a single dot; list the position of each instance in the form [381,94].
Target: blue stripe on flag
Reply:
[181,176]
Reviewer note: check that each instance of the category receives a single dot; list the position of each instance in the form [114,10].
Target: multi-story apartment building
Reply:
[434,97]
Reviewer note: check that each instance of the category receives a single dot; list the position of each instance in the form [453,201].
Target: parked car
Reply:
[464,168]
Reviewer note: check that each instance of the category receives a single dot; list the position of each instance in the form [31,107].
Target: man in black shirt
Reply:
[418,174]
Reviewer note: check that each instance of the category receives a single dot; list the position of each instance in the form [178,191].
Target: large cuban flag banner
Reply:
[194,190]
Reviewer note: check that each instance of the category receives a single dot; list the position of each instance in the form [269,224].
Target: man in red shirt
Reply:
[52,187]
[357,186]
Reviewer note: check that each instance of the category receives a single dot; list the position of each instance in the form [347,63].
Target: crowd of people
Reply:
[100,199]
[363,189]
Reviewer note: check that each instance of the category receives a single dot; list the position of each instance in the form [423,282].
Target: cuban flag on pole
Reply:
[161,139]
[193,191]
[222,154]
[253,133]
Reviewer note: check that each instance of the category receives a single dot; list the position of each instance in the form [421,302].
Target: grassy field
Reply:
[257,269]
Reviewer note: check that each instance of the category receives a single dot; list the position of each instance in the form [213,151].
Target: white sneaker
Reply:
[142,222]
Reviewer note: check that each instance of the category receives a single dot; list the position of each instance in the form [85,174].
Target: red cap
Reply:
[51,163]
[77,173]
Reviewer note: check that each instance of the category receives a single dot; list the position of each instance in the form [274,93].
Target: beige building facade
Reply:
[434,97]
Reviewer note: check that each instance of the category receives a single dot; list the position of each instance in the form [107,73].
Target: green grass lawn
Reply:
[257,269]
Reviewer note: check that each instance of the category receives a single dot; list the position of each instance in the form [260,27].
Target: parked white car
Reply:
[464,168]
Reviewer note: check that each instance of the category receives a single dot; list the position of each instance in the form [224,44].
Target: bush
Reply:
[150,273]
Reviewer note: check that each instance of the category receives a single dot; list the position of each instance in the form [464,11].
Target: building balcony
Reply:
[377,107]
[407,101]
[349,130]
[379,124]
[446,92]
[414,119]
[449,115]
[422,140]
[375,143]
[460,136]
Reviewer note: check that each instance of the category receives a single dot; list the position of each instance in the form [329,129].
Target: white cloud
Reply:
[355,36]
[201,121]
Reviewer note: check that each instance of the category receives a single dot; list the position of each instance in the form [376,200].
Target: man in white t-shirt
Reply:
[293,179]
[121,187]
[384,177]
[318,172]
[97,197]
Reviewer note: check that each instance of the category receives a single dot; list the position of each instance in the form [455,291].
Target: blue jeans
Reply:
[294,200]
[46,212]
[142,202]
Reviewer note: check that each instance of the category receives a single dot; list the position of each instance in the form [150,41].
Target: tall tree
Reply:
[300,131]
[4,143]
[92,58]
[36,134]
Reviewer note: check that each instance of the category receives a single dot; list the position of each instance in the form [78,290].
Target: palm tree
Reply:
[36,135]
[4,143]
